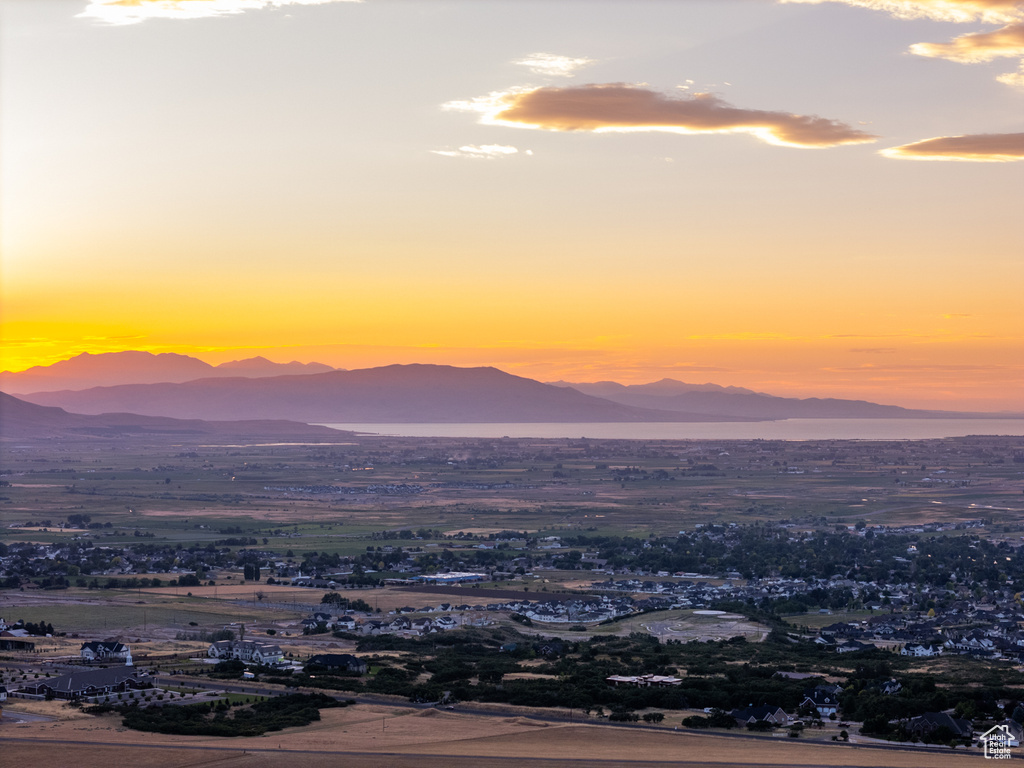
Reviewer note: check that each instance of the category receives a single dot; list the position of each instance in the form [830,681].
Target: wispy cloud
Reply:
[994,11]
[1013,78]
[981,47]
[481,151]
[966,49]
[926,367]
[621,107]
[985,147]
[977,47]
[553,65]
[121,12]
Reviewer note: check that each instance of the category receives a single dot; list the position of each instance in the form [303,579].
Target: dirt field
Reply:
[384,736]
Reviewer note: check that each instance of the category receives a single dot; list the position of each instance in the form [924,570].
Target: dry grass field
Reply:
[370,735]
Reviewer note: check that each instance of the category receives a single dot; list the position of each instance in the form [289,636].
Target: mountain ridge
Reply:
[713,400]
[139,367]
[417,393]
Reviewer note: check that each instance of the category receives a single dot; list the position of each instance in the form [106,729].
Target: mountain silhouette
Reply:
[389,394]
[20,419]
[133,367]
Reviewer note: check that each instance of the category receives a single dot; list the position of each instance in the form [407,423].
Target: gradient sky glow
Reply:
[736,191]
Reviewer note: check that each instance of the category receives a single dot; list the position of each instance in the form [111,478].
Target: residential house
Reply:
[645,681]
[764,713]
[347,623]
[249,651]
[854,645]
[345,661]
[106,651]
[916,649]
[930,722]
[87,683]
[823,700]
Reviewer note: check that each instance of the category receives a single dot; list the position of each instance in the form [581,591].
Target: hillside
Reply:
[21,420]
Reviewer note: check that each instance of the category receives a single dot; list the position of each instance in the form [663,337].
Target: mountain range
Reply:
[712,399]
[188,388]
[132,367]
[390,394]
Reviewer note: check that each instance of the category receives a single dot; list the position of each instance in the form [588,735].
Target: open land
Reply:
[383,736]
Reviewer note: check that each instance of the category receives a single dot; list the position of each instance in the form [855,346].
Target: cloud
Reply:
[925,367]
[977,47]
[980,47]
[990,147]
[621,107]
[1013,78]
[966,49]
[994,11]
[553,65]
[121,12]
[480,151]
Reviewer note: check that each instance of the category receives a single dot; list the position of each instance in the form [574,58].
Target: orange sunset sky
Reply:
[807,198]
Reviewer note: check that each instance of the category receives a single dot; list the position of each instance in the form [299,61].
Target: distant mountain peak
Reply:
[663,388]
[249,362]
[261,366]
[108,369]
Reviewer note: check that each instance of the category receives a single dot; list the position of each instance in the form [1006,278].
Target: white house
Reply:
[105,651]
[914,649]
[249,651]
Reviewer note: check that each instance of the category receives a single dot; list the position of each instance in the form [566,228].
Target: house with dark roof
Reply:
[823,700]
[12,642]
[930,722]
[105,651]
[345,661]
[765,713]
[88,683]
[853,646]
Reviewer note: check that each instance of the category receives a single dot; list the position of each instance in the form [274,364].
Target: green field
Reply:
[117,610]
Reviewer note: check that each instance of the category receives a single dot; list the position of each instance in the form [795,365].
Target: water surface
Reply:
[785,429]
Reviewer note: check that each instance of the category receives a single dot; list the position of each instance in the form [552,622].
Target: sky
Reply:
[807,198]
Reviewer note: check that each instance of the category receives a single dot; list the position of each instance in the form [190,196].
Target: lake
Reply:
[786,429]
